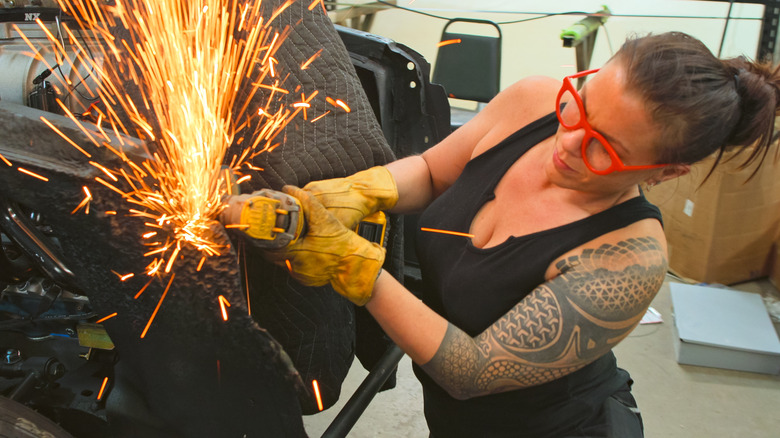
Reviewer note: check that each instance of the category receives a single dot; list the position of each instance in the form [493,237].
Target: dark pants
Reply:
[619,418]
[616,417]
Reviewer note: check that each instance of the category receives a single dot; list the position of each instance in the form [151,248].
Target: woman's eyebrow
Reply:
[616,144]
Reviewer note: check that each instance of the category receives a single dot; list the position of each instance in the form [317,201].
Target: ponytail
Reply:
[758,87]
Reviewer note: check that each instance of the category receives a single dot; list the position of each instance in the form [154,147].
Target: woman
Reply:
[560,254]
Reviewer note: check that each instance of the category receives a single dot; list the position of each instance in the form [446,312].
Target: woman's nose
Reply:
[571,141]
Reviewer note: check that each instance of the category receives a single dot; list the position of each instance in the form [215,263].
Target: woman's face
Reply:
[621,118]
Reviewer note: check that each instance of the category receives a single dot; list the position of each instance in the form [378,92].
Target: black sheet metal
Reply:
[200,375]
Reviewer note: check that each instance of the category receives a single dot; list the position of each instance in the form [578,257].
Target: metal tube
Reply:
[359,401]
[24,388]
[32,242]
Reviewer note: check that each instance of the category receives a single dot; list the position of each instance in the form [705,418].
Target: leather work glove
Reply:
[331,253]
[353,198]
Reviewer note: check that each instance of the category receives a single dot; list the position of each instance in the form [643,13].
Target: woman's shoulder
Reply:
[516,106]
[513,108]
[638,242]
[534,84]
[530,96]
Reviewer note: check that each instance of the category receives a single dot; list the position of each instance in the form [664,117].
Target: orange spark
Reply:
[339,103]
[156,251]
[317,394]
[105,318]
[153,267]
[242,256]
[5,161]
[281,8]
[289,265]
[135,212]
[104,170]
[32,174]
[138,294]
[172,259]
[102,388]
[320,116]
[271,63]
[70,115]
[454,233]
[273,88]
[110,213]
[65,137]
[237,226]
[200,263]
[197,114]
[308,62]
[121,276]
[159,303]
[448,42]
[243,179]
[314,5]
[253,167]
[222,303]
[84,202]
[304,103]
[101,181]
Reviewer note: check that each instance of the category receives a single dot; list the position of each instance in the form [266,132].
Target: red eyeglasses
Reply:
[599,156]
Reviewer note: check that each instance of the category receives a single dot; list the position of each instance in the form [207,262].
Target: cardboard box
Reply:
[724,329]
[774,267]
[722,231]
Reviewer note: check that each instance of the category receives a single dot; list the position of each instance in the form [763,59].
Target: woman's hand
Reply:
[353,198]
[331,253]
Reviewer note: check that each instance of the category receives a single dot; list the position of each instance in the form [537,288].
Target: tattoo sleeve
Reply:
[561,326]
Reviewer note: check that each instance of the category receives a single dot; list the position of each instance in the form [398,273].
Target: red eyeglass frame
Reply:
[590,133]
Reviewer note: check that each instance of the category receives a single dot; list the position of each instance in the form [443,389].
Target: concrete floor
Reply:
[677,401]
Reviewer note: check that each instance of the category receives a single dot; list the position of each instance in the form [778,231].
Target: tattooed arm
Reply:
[564,324]
[600,295]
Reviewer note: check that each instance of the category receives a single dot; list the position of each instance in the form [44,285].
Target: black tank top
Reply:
[473,287]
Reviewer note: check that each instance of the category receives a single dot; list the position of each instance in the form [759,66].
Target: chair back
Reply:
[467,65]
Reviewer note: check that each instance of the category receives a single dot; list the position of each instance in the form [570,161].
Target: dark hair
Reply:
[704,104]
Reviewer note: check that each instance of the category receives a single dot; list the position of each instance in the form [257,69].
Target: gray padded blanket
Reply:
[315,325]
[339,144]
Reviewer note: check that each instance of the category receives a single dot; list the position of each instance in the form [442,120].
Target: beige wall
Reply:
[535,47]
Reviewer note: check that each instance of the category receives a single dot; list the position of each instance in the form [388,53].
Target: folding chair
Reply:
[468,65]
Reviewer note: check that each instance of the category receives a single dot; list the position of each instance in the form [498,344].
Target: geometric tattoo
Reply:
[564,324]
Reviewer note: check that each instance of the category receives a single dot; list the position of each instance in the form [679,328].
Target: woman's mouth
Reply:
[559,164]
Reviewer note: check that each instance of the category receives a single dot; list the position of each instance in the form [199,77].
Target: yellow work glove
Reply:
[353,198]
[331,253]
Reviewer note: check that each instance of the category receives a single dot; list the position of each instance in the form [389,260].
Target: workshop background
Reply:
[723,235]
[706,359]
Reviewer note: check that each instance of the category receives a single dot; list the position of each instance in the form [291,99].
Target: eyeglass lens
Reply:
[595,153]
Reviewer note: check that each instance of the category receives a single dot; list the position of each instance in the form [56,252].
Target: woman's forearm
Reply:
[412,325]
[413,181]
[440,348]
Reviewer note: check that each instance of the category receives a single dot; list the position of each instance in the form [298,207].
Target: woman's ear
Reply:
[670,172]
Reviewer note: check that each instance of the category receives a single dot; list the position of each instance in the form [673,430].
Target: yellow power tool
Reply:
[275,219]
